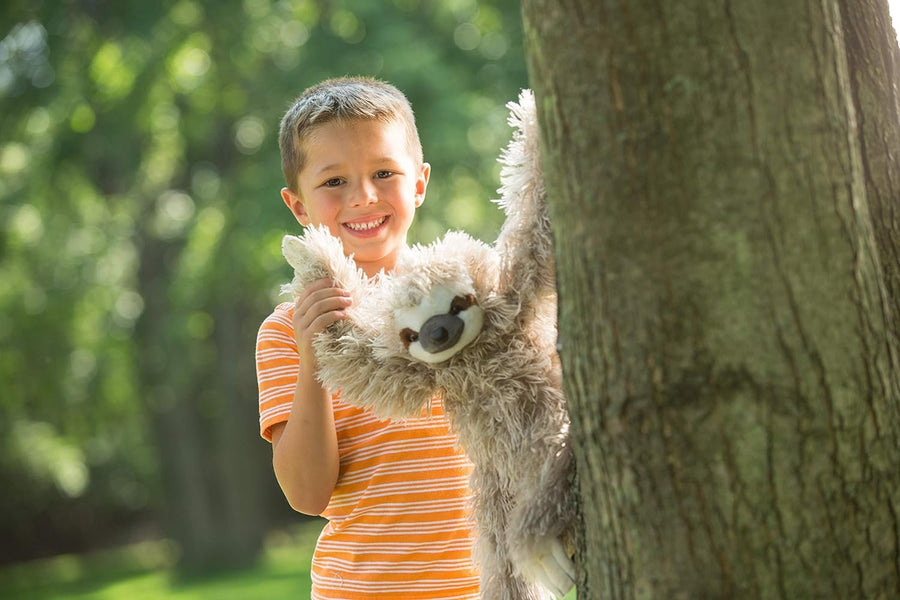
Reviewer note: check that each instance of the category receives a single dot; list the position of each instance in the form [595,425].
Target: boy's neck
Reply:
[372,270]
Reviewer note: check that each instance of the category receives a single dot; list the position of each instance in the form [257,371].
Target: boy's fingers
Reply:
[319,284]
[323,306]
[326,319]
[322,299]
[321,322]
[327,282]
[307,318]
[308,301]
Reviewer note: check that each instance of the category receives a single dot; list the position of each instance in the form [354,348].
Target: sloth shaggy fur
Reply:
[500,384]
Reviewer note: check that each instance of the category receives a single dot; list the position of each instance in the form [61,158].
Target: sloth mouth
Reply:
[366,225]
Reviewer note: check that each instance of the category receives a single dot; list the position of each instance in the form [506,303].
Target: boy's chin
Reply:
[372,260]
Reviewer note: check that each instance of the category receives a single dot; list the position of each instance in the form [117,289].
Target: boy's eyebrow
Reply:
[382,160]
[392,161]
[331,167]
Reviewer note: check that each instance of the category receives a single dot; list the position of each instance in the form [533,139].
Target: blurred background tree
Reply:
[140,241]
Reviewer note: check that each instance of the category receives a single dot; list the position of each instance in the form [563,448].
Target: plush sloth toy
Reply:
[474,325]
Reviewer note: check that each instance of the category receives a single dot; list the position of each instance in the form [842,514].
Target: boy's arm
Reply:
[304,448]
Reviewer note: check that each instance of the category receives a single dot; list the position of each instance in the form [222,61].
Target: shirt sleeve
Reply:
[277,368]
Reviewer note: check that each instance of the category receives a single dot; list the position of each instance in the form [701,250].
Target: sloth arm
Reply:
[525,242]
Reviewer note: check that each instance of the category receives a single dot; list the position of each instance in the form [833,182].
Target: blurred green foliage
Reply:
[141,228]
[142,571]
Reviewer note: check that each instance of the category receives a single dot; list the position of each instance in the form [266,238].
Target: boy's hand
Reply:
[320,305]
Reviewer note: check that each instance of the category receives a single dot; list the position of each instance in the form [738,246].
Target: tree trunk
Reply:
[178,436]
[874,65]
[727,320]
[238,451]
[203,423]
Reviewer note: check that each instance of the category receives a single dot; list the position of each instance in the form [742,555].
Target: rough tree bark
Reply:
[724,188]
[874,66]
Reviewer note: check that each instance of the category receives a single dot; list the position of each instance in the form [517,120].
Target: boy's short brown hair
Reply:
[341,99]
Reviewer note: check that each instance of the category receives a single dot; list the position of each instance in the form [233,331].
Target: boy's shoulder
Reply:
[281,317]
[283,308]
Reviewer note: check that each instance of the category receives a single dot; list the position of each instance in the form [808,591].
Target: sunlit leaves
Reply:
[110,73]
[26,225]
[24,58]
[14,158]
[200,325]
[37,123]
[49,456]
[198,260]
[174,209]
[465,209]
[293,33]
[205,181]
[347,26]
[189,63]
[165,146]
[279,30]
[467,36]
[127,308]
[82,118]
[186,13]
[249,134]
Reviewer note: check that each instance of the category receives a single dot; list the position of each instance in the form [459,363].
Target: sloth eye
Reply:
[408,336]
[461,303]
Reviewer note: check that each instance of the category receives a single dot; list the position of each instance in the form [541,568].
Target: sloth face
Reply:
[442,324]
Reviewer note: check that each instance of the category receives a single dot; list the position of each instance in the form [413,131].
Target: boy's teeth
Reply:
[367,225]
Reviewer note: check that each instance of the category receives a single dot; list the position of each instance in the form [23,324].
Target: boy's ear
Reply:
[293,202]
[422,183]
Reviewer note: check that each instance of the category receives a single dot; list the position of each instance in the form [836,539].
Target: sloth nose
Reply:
[440,332]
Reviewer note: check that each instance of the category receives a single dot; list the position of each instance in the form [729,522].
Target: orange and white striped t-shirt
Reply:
[399,521]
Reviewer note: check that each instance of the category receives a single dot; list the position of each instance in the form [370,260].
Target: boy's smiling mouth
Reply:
[367,225]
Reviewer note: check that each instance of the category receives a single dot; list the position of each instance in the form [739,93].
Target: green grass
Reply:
[143,572]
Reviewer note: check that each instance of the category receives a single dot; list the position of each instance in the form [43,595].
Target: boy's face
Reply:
[360,180]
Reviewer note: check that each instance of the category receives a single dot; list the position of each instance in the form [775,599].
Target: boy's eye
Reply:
[333,182]
[383,174]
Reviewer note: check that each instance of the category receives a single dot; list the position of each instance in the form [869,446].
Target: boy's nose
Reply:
[365,194]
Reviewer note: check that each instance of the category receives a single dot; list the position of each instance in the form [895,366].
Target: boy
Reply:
[395,493]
